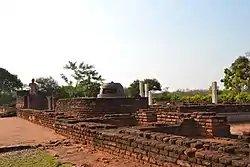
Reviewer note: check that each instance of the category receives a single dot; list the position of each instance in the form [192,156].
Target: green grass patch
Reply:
[29,158]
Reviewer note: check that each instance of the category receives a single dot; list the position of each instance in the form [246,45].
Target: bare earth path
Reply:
[239,128]
[14,131]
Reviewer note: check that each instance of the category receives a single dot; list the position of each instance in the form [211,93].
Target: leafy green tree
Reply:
[133,89]
[47,84]
[9,84]
[237,77]
[86,80]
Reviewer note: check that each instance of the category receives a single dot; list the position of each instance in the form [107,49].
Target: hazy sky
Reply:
[182,43]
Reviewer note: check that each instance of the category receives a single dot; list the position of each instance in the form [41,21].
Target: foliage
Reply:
[87,80]
[7,99]
[223,97]
[133,89]
[237,77]
[9,83]
[242,97]
[47,84]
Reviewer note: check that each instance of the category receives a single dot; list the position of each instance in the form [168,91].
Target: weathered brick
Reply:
[183,163]
[190,152]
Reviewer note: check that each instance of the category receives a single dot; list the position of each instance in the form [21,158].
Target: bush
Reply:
[242,97]
[223,97]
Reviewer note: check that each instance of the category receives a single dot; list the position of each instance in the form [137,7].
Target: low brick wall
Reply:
[145,116]
[40,117]
[219,108]
[98,107]
[206,123]
[157,149]
[114,119]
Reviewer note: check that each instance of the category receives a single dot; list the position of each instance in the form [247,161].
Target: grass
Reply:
[29,158]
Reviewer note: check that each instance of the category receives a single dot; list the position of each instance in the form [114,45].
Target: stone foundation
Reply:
[160,136]
[157,149]
[203,123]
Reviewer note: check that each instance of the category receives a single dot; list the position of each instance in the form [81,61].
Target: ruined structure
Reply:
[34,99]
[160,135]
[111,90]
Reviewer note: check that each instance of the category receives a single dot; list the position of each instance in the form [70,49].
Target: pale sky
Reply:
[182,43]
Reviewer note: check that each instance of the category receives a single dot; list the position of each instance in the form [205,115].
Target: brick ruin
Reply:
[155,135]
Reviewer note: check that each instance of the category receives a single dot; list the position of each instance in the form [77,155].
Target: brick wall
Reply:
[203,123]
[20,102]
[219,108]
[157,149]
[114,119]
[40,117]
[145,116]
[98,107]
[38,101]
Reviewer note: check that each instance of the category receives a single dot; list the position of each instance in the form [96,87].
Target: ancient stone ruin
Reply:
[166,135]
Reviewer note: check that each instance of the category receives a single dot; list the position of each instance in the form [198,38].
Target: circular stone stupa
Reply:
[111,90]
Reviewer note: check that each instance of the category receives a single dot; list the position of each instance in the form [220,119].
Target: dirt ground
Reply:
[85,156]
[239,128]
[15,131]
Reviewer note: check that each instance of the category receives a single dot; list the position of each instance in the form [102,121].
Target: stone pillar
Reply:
[214,93]
[141,88]
[146,90]
[49,102]
[150,98]
[28,102]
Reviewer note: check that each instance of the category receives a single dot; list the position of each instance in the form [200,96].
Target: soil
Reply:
[85,156]
[240,128]
[15,131]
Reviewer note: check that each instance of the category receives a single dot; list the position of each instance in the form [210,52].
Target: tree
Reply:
[87,80]
[133,89]
[9,84]
[47,84]
[237,77]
